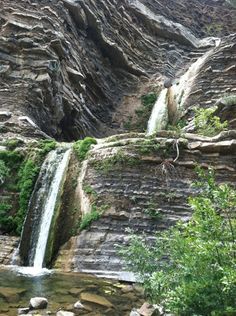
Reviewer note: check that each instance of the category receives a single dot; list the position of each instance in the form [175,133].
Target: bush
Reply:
[6,221]
[82,147]
[4,172]
[27,175]
[206,123]
[88,218]
[46,145]
[190,269]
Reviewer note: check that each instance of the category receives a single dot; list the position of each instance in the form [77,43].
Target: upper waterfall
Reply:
[42,206]
[159,116]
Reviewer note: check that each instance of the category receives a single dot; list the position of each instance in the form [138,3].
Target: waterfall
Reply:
[179,93]
[43,203]
[159,117]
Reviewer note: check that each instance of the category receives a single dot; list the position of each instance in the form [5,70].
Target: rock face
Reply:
[66,66]
[8,245]
[143,185]
[38,303]
[70,69]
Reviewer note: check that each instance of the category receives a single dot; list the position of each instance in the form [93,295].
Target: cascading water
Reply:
[159,116]
[178,93]
[42,205]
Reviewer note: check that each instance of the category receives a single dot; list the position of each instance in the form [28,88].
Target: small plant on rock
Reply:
[206,123]
[190,269]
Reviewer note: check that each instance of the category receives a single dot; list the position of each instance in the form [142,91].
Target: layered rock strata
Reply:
[66,66]
[143,186]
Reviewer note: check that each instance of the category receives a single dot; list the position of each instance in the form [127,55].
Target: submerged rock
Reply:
[97,299]
[64,313]
[23,311]
[11,295]
[38,303]
[149,310]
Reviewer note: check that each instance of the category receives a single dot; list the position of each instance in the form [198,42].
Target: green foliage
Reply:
[12,159]
[116,161]
[4,172]
[11,144]
[89,190]
[46,145]
[82,147]
[151,210]
[90,217]
[206,123]
[190,269]
[6,221]
[149,146]
[27,176]
[178,127]
[144,112]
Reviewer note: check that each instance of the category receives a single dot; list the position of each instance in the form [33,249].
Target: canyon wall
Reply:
[71,69]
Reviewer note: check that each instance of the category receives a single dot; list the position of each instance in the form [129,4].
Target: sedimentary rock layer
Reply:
[66,65]
[143,185]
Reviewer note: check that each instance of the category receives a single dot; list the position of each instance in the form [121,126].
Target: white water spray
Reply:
[49,211]
[159,116]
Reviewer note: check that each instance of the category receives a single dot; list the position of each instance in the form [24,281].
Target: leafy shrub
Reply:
[46,145]
[88,218]
[82,147]
[27,175]
[117,160]
[4,172]
[143,113]
[190,269]
[11,144]
[6,220]
[206,123]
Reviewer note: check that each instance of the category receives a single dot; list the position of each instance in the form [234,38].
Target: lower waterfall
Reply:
[42,206]
[159,117]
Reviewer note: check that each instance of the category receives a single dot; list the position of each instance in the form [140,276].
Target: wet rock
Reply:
[78,305]
[11,295]
[38,303]
[94,298]
[22,311]
[75,291]
[64,313]
[149,310]
[134,312]
[127,289]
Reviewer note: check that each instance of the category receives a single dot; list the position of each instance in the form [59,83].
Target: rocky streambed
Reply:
[65,292]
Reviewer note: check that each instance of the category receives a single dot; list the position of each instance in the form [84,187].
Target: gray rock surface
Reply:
[38,303]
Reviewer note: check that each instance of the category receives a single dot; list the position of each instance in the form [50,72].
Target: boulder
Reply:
[78,305]
[38,303]
[11,295]
[23,311]
[64,313]
[149,310]
[94,298]
[134,312]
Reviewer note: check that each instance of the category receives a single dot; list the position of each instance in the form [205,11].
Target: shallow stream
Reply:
[100,297]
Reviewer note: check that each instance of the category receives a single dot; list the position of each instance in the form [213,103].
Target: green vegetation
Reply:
[18,173]
[116,161]
[6,220]
[11,144]
[82,147]
[45,146]
[206,123]
[151,210]
[190,269]
[27,176]
[139,123]
[149,146]
[92,216]
[4,172]
[178,127]
[144,112]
